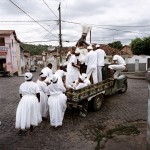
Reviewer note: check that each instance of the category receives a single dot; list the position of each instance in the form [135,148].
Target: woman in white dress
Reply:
[57,102]
[60,73]
[43,95]
[28,114]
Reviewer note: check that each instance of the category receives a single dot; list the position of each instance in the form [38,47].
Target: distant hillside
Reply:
[34,49]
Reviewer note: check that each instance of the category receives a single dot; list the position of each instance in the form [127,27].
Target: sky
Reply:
[36,21]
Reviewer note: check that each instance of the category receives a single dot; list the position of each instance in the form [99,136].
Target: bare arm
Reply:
[76,66]
[38,96]
[20,95]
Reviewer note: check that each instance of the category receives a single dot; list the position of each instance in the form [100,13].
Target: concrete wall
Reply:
[142,62]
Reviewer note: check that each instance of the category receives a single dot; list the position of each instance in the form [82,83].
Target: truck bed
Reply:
[88,91]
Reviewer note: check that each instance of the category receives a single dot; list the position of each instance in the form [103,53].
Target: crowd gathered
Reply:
[46,97]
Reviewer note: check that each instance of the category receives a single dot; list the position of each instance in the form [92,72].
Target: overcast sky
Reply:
[111,20]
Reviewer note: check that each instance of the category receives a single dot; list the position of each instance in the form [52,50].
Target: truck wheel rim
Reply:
[98,102]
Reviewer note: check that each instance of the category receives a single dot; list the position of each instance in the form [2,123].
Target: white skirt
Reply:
[43,104]
[57,107]
[28,112]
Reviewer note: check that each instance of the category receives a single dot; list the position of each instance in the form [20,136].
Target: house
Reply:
[136,62]
[11,54]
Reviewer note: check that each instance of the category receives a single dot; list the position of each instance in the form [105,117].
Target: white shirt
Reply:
[28,88]
[60,73]
[71,60]
[91,59]
[48,71]
[42,86]
[119,59]
[55,88]
[100,57]
[87,82]
[80,86]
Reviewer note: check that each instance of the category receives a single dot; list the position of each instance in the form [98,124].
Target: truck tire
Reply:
[124,88]
[96,103]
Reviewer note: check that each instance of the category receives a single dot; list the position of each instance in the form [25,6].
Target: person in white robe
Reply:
[91,62]
[57,102]
[60,73]
[49,73]
[28,113]
[118,65]
[86,80]
[72,69]
[101,55]
[43,95]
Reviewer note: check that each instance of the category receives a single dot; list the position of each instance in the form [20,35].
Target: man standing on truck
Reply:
[91,62]
[72,68]
[118,65]
[101,55]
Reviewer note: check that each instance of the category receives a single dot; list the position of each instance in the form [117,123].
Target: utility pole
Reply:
[90,37]
[60,40]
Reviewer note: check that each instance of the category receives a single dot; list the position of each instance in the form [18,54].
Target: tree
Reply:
[34,49]
[146,43]
[116,44]
[137,46]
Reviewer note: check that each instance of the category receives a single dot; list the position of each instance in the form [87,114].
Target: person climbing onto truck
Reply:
[118,65]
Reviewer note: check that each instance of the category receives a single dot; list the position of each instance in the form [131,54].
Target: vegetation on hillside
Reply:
[34,49]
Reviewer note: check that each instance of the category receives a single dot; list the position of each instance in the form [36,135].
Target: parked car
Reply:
[33,68]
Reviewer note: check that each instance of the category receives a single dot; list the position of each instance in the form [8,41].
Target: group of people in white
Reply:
[47,95]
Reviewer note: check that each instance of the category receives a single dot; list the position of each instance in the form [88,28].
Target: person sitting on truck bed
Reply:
[78,84]
[118,65]
[86,80]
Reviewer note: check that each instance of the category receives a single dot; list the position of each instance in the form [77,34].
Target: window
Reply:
[2,41]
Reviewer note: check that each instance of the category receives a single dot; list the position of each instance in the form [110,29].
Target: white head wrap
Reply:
[54,78]
[97,45]
[84,75]
[89,47]
[28,76]
[43,74]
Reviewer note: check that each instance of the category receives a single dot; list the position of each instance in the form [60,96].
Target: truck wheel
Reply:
[97,102]
[124,88]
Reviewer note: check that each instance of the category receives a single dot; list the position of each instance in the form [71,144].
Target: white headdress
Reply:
[43,74]
[84,75]
[28,76]
[54,78]
[97,45]
[89,47]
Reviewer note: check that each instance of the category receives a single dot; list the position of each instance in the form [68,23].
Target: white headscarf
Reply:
[90,47]
[54,78]
[43,74]
[28,76]
[97,45]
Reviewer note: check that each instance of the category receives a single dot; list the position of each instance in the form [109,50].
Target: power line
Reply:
[27,21]
[98,26]
[31,17]
[50,9]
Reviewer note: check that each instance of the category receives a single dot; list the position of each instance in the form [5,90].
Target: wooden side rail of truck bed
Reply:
[76,96]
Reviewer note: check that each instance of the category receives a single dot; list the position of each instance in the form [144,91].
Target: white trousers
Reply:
[93,71]
[118,68]
[99,73]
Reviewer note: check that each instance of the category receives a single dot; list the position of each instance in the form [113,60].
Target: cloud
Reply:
[113,18]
